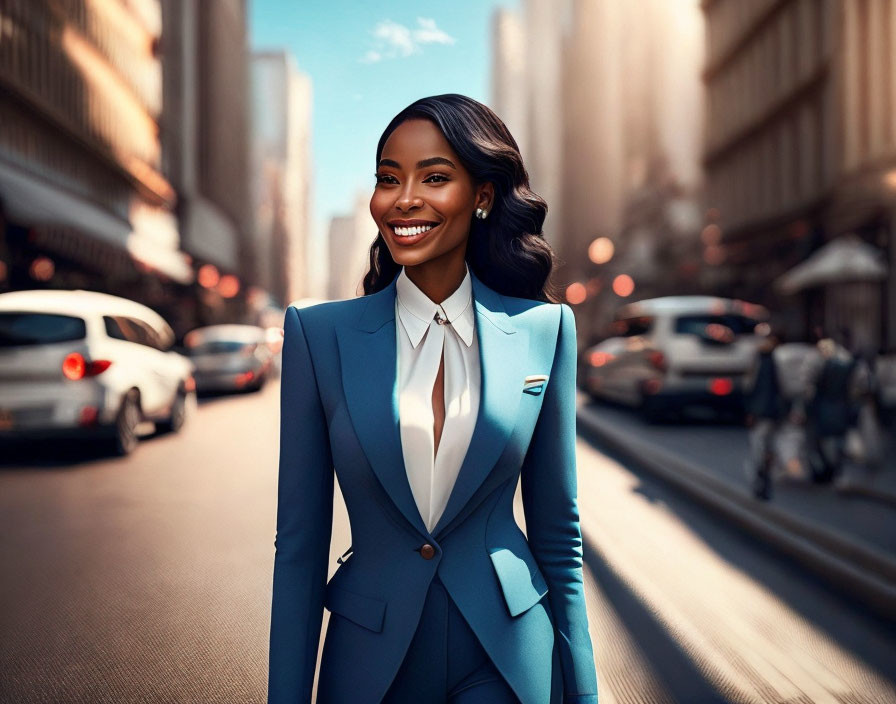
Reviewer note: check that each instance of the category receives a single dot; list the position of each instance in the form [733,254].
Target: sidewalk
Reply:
[845,533]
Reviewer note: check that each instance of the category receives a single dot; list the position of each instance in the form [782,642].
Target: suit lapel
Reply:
[503,355]
[368,357]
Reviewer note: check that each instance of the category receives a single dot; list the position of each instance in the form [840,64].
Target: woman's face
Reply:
[424,198]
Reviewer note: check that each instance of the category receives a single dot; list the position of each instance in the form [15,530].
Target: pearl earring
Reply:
[481,214]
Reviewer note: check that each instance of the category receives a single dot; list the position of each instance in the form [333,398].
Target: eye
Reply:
[439,176]
[381,178]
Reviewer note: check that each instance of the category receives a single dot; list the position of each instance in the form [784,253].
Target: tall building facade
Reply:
[801,149]
[509,88]
[281,173]
[84,198]
[613,119]
[205,138]
[349,239]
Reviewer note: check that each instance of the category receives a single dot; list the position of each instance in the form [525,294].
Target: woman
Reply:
[431,395]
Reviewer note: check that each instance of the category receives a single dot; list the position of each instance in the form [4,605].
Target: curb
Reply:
[864,572]
[868,492]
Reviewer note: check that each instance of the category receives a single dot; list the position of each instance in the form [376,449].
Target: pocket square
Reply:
[534,383]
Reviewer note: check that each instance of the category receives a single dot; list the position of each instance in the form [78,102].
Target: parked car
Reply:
[230,357]
[88,365]
[665,354]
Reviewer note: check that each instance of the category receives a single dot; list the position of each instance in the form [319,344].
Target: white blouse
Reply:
[420,342]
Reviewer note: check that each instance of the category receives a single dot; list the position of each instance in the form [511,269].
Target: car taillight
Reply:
[75,367]
[657,359]
[599,359]
[721,387]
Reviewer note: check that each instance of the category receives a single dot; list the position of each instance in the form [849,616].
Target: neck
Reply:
[439,277]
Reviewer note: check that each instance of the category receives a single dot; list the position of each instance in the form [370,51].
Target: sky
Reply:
[367,61]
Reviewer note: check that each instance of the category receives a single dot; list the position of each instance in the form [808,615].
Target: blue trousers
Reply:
[445,662]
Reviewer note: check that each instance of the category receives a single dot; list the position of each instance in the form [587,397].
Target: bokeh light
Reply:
[576,293]
[208,276]
[601,250]
[623,285]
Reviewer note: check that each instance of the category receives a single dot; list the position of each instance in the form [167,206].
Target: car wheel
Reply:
[178,416]
[651,410]
[125,440]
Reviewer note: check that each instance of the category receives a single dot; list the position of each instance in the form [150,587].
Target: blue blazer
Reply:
[339,411]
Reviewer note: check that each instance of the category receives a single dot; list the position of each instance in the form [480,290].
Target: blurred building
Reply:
[205,139]
[545,23]
[509,98]
[281,173]
[801,149]
[613,121]
[84,198]
[349,239]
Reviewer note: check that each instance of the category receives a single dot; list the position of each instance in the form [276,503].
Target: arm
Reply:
[304,523]
[548,483]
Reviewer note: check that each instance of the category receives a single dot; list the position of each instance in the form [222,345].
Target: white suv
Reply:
[88,364]
[675,351]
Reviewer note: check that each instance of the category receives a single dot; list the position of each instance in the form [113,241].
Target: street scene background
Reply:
[721,184]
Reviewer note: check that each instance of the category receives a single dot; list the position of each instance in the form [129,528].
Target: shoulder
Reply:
[327,314]
[541,315]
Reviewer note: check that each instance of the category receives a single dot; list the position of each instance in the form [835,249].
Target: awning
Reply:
[843,260]
[33,202]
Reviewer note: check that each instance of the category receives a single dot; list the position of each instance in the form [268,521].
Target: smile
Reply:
[411,231]
[412,235]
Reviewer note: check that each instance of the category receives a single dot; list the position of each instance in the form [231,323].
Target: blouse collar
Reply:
[417,310]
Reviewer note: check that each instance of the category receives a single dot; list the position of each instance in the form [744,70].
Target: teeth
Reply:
[411,231]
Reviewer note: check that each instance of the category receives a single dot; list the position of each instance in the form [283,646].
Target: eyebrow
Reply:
[422,164]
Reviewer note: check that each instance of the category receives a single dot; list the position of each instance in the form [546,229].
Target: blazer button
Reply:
[427,551]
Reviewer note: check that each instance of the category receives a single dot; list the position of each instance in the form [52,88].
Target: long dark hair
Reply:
[507,251]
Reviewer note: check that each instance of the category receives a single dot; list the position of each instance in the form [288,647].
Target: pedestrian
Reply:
[766,408]
[866,433]
[831,408]
[451,379]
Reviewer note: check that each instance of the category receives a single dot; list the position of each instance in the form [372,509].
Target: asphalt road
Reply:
[148,579]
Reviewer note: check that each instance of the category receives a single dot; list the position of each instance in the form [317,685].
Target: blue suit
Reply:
[523,598]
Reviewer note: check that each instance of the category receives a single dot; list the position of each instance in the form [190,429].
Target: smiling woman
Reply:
[431,397]
[448,163]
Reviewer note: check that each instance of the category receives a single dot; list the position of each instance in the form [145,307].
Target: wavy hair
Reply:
[507,251]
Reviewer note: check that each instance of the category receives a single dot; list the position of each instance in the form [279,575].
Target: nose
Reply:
[408,198]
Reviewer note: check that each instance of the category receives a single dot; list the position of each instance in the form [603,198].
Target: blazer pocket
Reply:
[366,611]
[521,581]
[534,383]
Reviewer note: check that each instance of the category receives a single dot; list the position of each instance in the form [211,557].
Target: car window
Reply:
[114,328]
[19,329]
[630,327]
[699,324]
[216,347]
[125,328]
[144,333]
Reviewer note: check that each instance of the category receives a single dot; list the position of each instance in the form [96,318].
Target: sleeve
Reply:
[548,484]
[304,524]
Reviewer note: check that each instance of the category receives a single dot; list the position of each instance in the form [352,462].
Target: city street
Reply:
[148,580]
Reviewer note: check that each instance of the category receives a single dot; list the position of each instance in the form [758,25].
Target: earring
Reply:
[481,214]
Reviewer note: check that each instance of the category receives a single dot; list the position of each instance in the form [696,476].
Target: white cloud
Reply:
[394,40]
[430,34]
[371,57]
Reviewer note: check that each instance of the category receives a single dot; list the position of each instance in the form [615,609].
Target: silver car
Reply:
[86,364]
[230,357]
[676,351]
